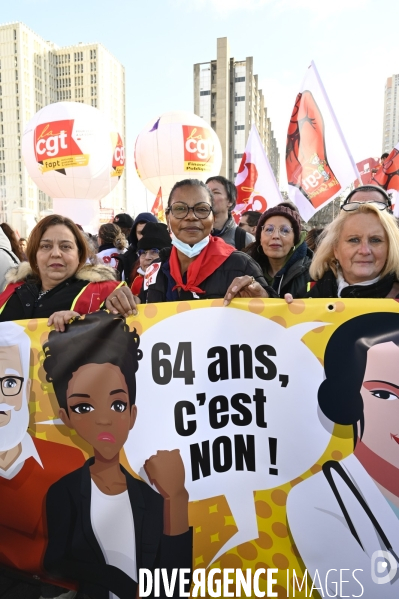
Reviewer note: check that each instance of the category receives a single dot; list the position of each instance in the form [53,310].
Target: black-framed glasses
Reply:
[153,251]
[283,230]
[11,385]
[355,205]
[181,209]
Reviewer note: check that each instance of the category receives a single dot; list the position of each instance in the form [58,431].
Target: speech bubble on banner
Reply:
[237,394]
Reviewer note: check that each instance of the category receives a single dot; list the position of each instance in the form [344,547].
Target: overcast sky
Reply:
[354,44]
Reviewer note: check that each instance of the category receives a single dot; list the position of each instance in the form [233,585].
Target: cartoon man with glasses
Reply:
[28,465]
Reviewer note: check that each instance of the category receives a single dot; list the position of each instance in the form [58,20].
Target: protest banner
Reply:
[318,161]
[257,188]
[264,402]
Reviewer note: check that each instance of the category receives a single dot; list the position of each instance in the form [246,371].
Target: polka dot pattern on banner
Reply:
[211,519]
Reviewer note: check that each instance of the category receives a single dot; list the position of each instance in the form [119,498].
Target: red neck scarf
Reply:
[383,472]
[212,256]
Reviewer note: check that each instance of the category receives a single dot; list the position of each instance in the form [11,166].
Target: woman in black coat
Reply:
[199,266]
[281,250]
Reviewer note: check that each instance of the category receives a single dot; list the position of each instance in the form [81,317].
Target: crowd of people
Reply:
[200,254]
[60,272]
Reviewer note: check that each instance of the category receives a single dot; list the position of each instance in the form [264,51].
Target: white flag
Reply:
[256,184]
[318,161]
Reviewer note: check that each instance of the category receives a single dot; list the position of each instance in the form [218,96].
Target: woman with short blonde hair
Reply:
[358,255]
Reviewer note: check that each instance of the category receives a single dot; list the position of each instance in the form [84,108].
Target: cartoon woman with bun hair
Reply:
[104,524]
[346,517]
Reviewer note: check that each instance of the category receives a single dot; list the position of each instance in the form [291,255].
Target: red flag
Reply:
[157,208]
[257,188]
[367,168]
[387,177]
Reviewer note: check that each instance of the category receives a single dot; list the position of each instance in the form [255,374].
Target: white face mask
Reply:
[188,250]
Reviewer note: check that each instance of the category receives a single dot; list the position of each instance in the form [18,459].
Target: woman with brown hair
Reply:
[111,244]
[56,283]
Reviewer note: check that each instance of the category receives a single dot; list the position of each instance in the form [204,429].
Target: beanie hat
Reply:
[155,235]
[123,220]
[143,217]
[281,210]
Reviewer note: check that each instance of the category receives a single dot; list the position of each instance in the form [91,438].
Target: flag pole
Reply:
[312,64]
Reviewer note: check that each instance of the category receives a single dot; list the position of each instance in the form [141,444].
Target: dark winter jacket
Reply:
[294,276]
[327,286]
[229,234]
[24,302]
[130,259]
[215,286]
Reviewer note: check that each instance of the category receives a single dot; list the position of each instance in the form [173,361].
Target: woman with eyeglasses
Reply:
[358,256]
[281,251]
[198,266]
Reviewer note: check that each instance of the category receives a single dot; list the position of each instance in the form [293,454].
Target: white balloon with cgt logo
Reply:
[74,155]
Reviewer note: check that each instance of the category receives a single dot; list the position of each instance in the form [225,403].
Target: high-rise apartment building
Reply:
[226,95]
[390,133]
[34,73]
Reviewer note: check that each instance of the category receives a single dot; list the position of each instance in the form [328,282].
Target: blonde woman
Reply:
[358,255]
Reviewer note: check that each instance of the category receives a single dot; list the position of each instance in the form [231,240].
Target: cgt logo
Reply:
[198,144]
[55,140]
[119,153]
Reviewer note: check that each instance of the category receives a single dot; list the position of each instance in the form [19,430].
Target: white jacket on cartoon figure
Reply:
[325,541]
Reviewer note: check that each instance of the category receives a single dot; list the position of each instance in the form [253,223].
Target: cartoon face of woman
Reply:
[99,408]
[380,393]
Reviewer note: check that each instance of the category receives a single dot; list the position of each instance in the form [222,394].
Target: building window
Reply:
[94,78]
[205,93]
[94,91]
[239,79]
[15,34]
[239,127]
[16,88]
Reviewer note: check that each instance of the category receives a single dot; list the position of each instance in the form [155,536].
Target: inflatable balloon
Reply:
[177,145]
[73,154]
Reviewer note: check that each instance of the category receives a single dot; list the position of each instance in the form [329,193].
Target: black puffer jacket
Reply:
[294,276]
[215,286]
[387,287]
